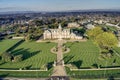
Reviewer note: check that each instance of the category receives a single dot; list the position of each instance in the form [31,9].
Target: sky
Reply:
[57,5]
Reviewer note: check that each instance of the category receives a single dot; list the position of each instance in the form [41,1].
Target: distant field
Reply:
[6,44]
[86,54]
[35,55]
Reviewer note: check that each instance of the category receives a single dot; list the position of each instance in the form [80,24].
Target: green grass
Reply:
[35,55]
[6,44]
[110,28]
[100,74]
[82,54]
[117,49]
[85,54]
[25,74]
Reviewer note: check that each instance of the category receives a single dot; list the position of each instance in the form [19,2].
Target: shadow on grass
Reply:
[2,76]
[2,63]
[77,63]
[109,66]
[50,65]
[67,59]
[111,78]
[14,46]
[16,51]
[71,45]
[95,65]
[25,52]
[48,42]
[0,57]
[27,67]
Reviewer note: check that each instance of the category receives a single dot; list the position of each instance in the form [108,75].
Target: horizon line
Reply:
[117,9]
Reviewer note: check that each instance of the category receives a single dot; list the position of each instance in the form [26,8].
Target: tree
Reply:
[39,22]
[7,57]
[17,31]
[93,33]
[106,40]
[79,30]
[18,58]
[27,38]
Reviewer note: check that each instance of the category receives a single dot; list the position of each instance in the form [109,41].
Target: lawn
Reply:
[94,74]
[111,28]
[35,55]
[86,54]
[6,44]
[26,74]
[117,49]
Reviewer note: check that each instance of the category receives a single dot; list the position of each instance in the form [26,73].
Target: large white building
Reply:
[90,26]
[60,34]
[73,24]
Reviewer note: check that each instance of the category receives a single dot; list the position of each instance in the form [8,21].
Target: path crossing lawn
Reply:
[6,44]
[86,54]
[35,55]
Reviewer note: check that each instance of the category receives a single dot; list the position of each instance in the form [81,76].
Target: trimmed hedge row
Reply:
[95,74]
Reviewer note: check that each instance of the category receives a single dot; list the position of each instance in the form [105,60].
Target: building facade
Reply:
[73,24]
[60,34]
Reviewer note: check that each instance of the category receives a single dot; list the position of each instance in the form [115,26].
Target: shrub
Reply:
[94,66]
[7,57]
[43,67]
[18,58]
